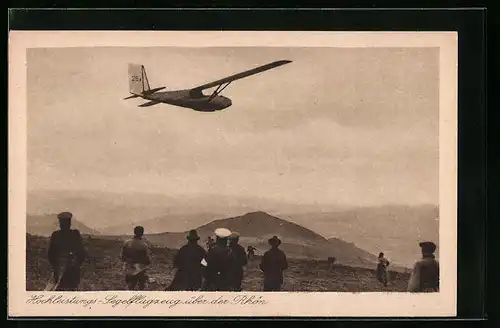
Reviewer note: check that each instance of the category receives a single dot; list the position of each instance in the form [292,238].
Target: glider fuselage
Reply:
[186,98]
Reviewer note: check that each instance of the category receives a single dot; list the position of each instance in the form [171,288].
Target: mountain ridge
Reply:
[103,209]
[255,228]
[45,225]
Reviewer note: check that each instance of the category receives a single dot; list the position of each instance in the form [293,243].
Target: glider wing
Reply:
[242,75]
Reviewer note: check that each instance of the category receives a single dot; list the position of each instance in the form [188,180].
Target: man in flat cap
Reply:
[238,260]
[66,254]
[188,261]
[218,262]
[273,264]
[136,258]
[425,274]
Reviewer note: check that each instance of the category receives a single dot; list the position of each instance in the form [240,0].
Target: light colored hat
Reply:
[222,232]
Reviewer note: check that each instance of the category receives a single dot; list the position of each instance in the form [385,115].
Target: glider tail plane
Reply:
[137,79]
[138,82]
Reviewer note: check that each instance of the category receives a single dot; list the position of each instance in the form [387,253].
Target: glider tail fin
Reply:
[137,79]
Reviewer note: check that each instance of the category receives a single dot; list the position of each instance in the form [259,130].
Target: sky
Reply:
[347,126]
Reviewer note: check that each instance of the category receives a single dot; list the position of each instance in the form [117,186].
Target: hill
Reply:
[44,225]
[171,222]
[395,230]
[102,271]
[256,228]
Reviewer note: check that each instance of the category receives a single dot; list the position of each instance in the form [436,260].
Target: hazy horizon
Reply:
[51,201]
[366,227]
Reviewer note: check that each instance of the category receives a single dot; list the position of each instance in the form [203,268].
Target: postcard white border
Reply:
[278,304]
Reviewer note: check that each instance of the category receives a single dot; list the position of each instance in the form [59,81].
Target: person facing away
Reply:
[425,274]
[66,254]
[273,264]
[382,265]
[188,260]
[251,252]
[238,260]
[136,258]
[210,243]
[218,262]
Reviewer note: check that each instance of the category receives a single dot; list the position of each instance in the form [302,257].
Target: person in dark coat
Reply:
[238,260]
[136,258]
[382,265]
[218,262]
[251,252]
[273,264]
[424,277]
[66,254]
[210,243]
[188,262]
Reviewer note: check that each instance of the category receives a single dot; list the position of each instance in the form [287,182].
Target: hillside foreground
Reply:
[102,271]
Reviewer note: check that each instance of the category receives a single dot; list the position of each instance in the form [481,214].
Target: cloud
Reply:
[335,125]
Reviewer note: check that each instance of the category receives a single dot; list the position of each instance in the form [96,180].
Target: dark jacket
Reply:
[272,264]
[189,257]
[66,246]
[189,267]
[217,271]
[238,259]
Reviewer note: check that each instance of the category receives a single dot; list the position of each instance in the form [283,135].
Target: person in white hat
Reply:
[218,261]
[238,260]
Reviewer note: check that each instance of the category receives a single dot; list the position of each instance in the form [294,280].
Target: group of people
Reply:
[219,268]
[250,249]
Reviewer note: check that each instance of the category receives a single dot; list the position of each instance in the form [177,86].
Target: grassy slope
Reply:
[102,271]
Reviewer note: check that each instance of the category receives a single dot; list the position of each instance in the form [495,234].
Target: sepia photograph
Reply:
[208,168]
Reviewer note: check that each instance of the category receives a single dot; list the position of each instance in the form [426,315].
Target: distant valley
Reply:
[392,229]
[255,229]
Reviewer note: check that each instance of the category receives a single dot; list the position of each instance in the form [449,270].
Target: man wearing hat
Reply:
[188,263]
[135,254]
[218,262]
[238,260]
[66,254]
[425,274]
[273,264]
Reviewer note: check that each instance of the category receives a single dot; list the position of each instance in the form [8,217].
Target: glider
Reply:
[190,98]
